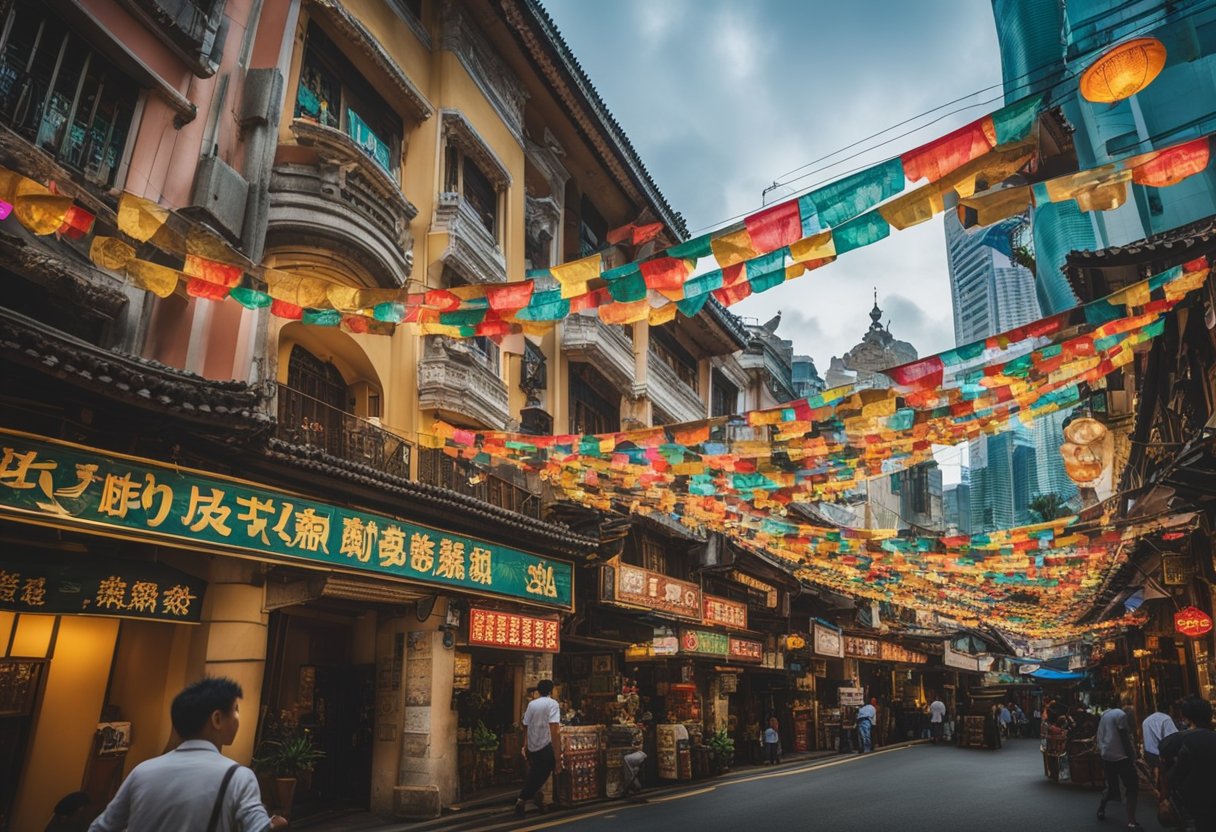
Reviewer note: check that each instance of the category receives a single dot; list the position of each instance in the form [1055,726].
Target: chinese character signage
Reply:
[769,591]
[665,643]
[641,587]
[744,649]
[704,643]
[889,652]
[491,628]
[1192,622]
[62,585]
[74,486]
[829,642]
[860,648]
[725,612]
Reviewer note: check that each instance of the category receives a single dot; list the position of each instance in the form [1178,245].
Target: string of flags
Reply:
[160,250]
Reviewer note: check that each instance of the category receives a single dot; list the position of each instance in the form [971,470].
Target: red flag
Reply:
[775,227]
[643,234]
[1172,165]
[941,156]
[509,296]
[283,309]
[664,273]
[196,287]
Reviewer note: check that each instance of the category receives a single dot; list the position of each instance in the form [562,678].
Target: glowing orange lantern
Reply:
[1123,70]
[1084,429]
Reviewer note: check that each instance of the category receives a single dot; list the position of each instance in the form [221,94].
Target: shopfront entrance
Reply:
[320,688]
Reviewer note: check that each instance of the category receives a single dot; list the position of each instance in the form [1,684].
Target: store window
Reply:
[61,94]
[724,397]
[331,92]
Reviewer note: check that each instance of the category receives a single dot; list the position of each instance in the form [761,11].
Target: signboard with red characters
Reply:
[725,612]
[745,650]
[492,628]
[1193,622]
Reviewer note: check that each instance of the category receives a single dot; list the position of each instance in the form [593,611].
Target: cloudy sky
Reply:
[723,97]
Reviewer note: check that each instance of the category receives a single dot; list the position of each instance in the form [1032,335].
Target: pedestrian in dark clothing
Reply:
[1116,744]
[1189,761]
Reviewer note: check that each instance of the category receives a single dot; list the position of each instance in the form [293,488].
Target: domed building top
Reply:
[877,350]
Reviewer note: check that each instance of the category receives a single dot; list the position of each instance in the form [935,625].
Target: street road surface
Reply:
[934,789]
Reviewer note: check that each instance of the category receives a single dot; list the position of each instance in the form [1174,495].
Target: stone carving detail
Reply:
[472,251]
[505,92]
[542,221]
[452,377]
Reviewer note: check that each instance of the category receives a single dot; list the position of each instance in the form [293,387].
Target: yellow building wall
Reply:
[67,718]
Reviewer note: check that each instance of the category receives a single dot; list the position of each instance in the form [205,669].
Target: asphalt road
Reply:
[934,789]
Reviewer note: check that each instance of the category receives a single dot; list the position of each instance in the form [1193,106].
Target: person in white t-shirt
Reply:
[1156,727]
[543,723]
[937,719]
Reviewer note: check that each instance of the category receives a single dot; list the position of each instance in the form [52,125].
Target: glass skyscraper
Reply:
[1045,46]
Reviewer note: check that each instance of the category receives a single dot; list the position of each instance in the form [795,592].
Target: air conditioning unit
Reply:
[219,196]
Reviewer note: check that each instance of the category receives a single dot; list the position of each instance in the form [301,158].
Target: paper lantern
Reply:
[1081,464]
[1123,70]
[1085,429]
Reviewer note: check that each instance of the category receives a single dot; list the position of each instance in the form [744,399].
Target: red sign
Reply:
[745,650]
[1193,622]
[491,628]
[725,612]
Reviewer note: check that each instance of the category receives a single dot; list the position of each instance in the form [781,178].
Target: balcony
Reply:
[345,200]
[472,252]
[437,468]
[606,347]
[453,377]
[309,422]
[671,394]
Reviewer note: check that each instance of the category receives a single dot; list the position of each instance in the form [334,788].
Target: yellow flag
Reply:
[733,248]
[573,276]
[35,207]
[815,247]
[913,208]
[152,277]
[140,218]
[308,292]
[663,314]
[110,253]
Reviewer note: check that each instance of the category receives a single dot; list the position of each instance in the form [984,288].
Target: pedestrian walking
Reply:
[1156,727]
[1020,721]
[937,719]
[866,715]
[1004,719]
[1117,748]
[193,787]
[1189,763]
[772,743]
[543,724]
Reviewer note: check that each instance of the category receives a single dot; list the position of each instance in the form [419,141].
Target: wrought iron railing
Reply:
[437,468]
[305,420]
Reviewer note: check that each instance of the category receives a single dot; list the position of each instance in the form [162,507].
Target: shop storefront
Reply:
[339,623]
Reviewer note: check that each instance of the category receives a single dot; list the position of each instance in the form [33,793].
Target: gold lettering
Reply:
[143,596]
[252,516]
[176,600]
[422,552]
[392,547]
[112,593]
[480,568]
[541,581]
[117,495]
[207,511]
[152,492]
[34,593]
[8,585]
[451,560]
[312,531]
[358,538]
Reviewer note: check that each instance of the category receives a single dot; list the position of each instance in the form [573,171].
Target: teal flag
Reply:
[866,229]
[1013,123]
[854,195]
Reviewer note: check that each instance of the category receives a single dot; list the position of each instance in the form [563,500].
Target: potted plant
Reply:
[486,742]
[722,748]
[285,759]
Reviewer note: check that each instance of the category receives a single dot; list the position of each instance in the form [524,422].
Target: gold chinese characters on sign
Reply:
[515,631]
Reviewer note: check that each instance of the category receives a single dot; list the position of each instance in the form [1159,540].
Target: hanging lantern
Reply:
[1081,464]
[1192,622]
[1084,430]
[1123,70]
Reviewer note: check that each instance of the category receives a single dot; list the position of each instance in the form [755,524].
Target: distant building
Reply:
[956,507]
[807,380]
[877,350]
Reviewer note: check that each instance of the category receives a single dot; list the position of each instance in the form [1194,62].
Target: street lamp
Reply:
[1123,70]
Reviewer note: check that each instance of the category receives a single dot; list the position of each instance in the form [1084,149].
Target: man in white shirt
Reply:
[543,723]
[1156,727]
[866,715]
[1117,748]
[937,718]
[193,788]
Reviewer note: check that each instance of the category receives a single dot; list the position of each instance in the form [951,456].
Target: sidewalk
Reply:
[497,806]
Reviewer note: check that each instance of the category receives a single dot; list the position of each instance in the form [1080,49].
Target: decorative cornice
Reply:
[458,130]
[353,32]
[234,406]
[540,40]
[452,379]
[499,85]
[589,339]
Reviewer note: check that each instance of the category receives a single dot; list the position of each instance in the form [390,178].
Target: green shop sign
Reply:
[73,486]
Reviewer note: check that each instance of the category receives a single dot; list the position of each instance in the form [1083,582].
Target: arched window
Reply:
[312,408]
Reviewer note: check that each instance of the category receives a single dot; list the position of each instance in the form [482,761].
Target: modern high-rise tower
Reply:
[1045,46]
